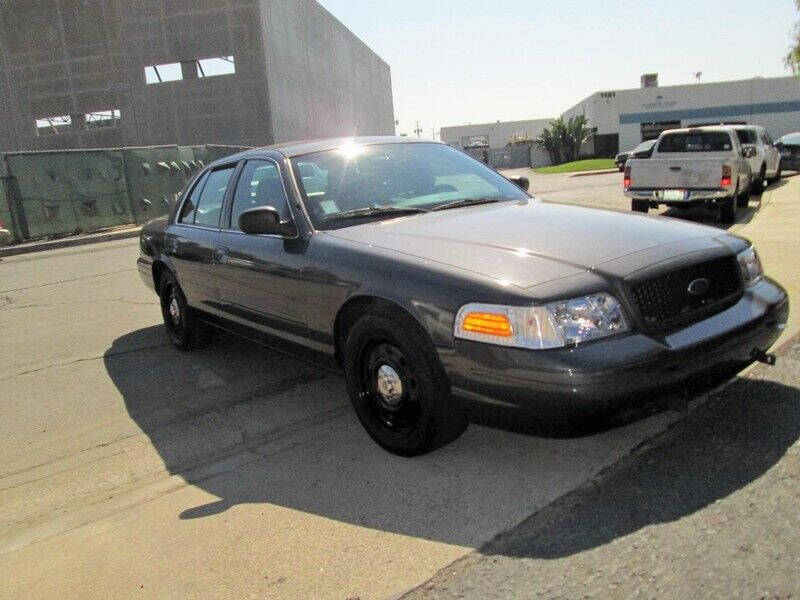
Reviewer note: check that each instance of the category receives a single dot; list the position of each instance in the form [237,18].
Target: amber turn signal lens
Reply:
[487,323]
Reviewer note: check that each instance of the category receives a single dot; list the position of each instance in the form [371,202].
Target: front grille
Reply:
[665,299]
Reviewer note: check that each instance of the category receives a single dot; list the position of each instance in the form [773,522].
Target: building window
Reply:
[102,118]
[211,67]
[197,68]
[53,125]
[163,73]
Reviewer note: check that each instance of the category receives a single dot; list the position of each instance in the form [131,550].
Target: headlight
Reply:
[554,325]
[750,266]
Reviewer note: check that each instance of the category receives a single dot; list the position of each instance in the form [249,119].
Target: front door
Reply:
[259,277]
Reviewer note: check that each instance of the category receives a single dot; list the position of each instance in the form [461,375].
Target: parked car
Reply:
[706,165]
[435,284]
[766,163]
[788,147]
[643,150]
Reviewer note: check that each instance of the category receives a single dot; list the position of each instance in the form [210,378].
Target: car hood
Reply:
[527,243]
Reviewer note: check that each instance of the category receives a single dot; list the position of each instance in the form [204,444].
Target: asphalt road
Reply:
[131,469]
[707,510]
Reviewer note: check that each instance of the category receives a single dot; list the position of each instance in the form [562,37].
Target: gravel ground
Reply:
[710,509]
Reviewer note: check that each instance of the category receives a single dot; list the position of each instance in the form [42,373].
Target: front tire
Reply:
[184,329]
[640,206]
[398,387]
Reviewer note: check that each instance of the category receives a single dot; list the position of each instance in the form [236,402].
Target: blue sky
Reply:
[476,61]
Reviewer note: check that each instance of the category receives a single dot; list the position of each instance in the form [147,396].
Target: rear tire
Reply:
[640,206]
[397,385]
[727,210]
[758,184]
[184,329]
[743,199]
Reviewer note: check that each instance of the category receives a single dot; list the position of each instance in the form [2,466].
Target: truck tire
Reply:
[397,385]
[727,210]
[758,182]
[640,206]
[743,199]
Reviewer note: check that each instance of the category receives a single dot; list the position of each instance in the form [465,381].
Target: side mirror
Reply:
[265,220]
[520,181]
[749,152]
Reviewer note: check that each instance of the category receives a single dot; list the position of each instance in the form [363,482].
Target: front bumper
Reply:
[145,267]
[621,371]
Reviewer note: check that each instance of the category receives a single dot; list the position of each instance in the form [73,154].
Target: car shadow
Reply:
[252,426]
[707,216]
[725,445]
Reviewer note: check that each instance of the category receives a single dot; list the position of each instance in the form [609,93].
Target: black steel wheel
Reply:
[727,209]
[183,327]
[397,386]
[743,199]
[758,183]
[640,206]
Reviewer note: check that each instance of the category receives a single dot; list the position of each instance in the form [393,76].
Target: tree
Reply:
[792,59]
[563,139]
[548,142]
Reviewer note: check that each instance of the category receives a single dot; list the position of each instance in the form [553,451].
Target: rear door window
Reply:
[209,205]
[190,205]
[701,141]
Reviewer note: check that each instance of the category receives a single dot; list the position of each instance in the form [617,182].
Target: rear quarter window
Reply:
[705,141]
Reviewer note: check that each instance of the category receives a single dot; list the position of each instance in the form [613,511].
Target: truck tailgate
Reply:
[676,173]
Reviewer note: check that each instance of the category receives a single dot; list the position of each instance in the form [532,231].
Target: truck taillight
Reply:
[726,176]
[627,181]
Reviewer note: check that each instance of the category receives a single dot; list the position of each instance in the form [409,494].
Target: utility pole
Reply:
[418,130]
[698,75]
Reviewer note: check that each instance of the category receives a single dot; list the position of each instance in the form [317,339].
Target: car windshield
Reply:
[700,141]
[747,136]
[644,146]
[352,183]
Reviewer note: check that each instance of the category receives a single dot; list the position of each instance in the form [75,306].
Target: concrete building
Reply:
[625,118]
[498,135]
[110,73]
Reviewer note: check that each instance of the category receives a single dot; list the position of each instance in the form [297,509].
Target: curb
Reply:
[599,172]
[69,242]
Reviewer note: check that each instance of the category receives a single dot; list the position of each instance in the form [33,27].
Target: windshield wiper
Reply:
[370,211]
[466,202]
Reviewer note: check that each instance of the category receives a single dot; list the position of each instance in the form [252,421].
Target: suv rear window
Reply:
[701,141]
[747,136]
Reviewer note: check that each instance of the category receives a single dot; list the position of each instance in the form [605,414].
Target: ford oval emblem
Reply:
[699,287]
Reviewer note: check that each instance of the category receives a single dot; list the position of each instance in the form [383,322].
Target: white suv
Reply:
[766,164]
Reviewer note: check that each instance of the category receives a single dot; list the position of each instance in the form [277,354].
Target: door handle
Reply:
[674,168]
[221,254]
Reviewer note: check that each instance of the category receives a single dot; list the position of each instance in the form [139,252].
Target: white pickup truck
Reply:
[705,165]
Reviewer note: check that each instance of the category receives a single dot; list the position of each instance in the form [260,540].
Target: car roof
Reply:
[298,148]
[726,128]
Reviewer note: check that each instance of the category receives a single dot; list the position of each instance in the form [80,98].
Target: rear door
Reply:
[195,234]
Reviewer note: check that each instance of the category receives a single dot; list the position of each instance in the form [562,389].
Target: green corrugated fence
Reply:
[63,192]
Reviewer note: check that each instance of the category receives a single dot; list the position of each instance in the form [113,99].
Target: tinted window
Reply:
[259,185]
[413,175]
[189,207]
[210,204]
[747,136]
[701,141]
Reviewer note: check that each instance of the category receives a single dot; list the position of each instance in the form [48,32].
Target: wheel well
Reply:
[158,269]
[355,308]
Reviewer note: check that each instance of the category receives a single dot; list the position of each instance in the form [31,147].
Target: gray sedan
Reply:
[437,285]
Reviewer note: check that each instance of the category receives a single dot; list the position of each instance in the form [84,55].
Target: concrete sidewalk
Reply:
[775,232]
[118,233]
